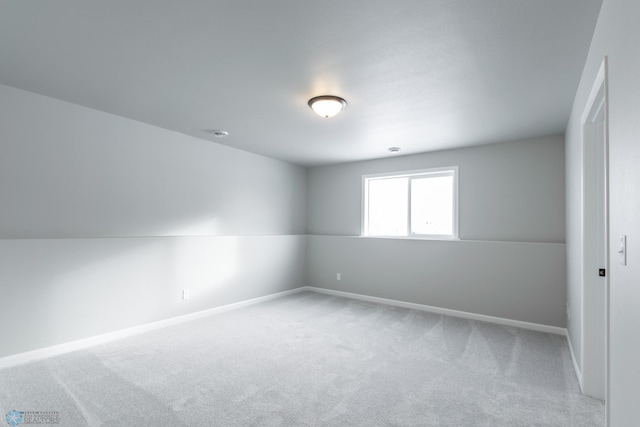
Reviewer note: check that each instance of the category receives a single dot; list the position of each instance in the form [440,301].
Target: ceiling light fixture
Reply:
[327,105]
[218,133]
[394,149]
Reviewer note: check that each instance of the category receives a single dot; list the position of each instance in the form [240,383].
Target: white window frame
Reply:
[412,174]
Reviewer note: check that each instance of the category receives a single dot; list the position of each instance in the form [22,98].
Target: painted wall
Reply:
[511,191]
[105,220]
[512,280]
[510,261]
[69,171]
[615,36]
[59,290]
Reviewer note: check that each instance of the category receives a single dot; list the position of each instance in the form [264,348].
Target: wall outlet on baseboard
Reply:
[185,294]
[338,276]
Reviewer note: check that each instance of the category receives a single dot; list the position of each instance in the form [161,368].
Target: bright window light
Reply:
[388,207]
[421,204]
[432,205]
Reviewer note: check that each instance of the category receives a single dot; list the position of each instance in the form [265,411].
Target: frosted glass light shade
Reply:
[327,105]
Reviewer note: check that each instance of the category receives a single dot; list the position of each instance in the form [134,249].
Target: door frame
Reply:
[595,300]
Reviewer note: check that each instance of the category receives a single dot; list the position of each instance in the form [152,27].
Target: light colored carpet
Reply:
[312,360]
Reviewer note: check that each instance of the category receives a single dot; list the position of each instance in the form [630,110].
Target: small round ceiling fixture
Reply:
[394,149]
[219,133]
[327,105]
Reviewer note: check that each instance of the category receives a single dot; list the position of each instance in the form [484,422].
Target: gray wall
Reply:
[105,220]
[615,36]
[510,262]
[521,281]
[69,171]
[59,290]
[511,191]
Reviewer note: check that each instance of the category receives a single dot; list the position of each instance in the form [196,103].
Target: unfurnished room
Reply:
[320,213]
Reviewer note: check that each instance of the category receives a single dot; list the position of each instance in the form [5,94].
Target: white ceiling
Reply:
[423,75]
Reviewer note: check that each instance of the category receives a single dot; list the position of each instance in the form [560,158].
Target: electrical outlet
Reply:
[338,276]
[185,294]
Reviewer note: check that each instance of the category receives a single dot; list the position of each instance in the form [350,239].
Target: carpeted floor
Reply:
[312,360]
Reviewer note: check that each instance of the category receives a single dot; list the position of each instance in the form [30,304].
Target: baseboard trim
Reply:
[446,311]
[55,350]
[576,367]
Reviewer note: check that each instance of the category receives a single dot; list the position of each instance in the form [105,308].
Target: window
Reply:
[420,204]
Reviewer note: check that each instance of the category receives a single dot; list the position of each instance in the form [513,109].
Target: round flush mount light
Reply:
[394,149]
[219,133]
[327,105]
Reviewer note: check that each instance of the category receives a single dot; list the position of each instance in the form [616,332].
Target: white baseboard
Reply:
[18,359]
[576,367]
[438,310]
[55,350]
